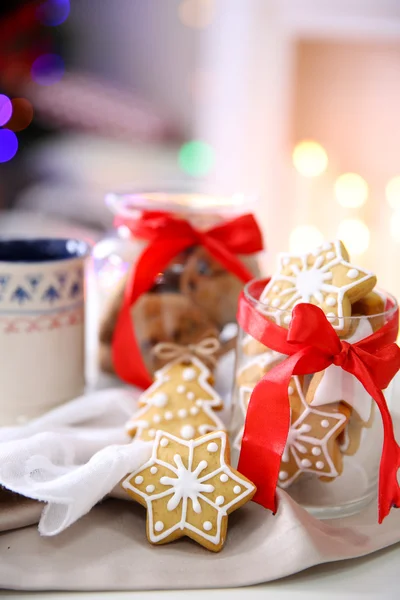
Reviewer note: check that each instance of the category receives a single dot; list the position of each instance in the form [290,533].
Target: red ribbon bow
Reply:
[312,345]
[167,237]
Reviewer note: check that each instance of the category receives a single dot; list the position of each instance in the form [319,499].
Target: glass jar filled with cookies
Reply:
[315,366]
[171,274]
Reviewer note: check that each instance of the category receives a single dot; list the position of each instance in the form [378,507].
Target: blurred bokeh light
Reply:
[310,158]
[22,114]
[53,12]
[355,235]
[8,145]
[305,238]
[47,69]
[393,192]
[5,109]
[196,158]
[351,190]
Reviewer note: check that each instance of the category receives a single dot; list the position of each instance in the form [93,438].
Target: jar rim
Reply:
[263,307]
[180,198]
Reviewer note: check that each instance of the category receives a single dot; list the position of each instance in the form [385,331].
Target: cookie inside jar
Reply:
[330,462]
[192,293]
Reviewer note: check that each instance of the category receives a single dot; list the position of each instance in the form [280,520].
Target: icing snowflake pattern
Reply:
[323,277]
[188,489]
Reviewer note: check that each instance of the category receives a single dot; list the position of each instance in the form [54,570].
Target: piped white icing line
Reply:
[312,282]
[162,376]
[338,385]
[138,423]
[186,484]
[301,433]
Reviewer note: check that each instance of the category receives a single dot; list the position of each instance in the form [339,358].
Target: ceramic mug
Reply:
[41,325]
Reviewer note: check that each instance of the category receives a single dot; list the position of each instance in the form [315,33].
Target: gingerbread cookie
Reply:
[313,440]
[252,347]
[210,286]
[373,306]
[187,377]
[256,368]
[156,318]
[189,489]
[324,277]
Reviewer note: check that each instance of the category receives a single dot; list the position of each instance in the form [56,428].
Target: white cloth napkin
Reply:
[73,456]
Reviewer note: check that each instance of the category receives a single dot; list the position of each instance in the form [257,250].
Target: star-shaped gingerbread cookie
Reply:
[324,277]
[189,488]
[312,444]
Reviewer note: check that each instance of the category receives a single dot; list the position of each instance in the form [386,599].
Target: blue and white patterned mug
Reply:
[41,325]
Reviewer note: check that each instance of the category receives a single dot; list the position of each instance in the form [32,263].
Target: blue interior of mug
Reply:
[41,250]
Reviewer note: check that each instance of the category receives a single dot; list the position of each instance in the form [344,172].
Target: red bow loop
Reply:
[312,345]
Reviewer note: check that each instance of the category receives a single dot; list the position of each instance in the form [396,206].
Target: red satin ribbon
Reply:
[312,345]
[167,237]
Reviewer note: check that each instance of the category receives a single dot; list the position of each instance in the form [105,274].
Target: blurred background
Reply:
[296,100]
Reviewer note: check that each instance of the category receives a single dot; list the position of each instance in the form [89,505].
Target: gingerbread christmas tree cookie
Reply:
[175,414]
[189,488]
[324,277]
[187,377]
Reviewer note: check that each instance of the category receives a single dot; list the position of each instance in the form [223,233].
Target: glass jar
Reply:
[330,464]
[193,295]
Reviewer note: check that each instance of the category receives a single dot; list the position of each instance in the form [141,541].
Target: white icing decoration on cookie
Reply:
[150,488]
[287,319]
[139,479]
[156,419]
[212,447]
[153,470]
[352,273]
[316,451]
[164,442]
[276,289]
[237,489]
[331,316]
[330,255]
[319,464]
[283,475]
[189,374]
[338,385]
[330,301]
[275,302]
[182,413]
[306,463]
[290,390]
[325,423]
[159,399]
[190,396]
[187,432]
[152,432]
[168,415]
[181,389]
[189,481]
[194,411]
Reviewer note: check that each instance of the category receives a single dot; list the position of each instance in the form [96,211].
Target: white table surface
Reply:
[373,576]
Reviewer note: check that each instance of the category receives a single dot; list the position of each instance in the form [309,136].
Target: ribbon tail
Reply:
[266,430]
[127,357]
[389,489]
